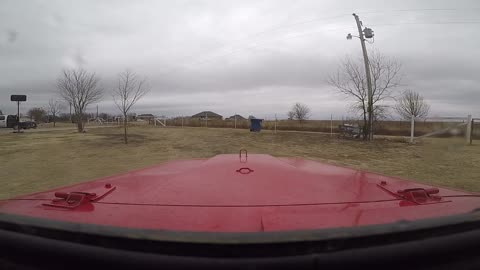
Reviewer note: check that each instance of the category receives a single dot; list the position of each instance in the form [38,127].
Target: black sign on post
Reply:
[18,98]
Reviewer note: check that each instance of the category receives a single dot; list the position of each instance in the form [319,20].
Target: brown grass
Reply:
[35,161]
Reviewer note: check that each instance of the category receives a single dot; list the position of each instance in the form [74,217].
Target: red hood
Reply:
[261,193]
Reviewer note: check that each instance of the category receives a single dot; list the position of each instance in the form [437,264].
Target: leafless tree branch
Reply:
[79,88]
[129,90]
[350,80]
[412,103]
[300,112]
[54,109]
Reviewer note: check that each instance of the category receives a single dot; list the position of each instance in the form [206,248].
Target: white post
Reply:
[331,125]
[469,129]
[275,124]
[154,121]
[412,128]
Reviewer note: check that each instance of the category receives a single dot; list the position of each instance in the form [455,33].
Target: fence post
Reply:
[468,133]
[331,125]
[412,128]
[471,133]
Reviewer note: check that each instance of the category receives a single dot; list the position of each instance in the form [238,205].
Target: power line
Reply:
[291,25]
[256,46]
[282,27]
[286,26]
[426,23]
[418,9]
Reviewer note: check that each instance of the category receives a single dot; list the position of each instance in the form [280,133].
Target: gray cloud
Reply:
[12,36]
[249,57]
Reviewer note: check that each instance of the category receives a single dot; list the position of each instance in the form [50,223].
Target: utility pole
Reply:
[367,71]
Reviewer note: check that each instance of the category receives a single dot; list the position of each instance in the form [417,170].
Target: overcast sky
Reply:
[249,57]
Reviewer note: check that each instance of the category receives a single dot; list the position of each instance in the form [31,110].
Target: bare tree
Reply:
[300,112]
[54,109]
[411,103]
[350,80]
[291,115]
[37,114]
[79,88]
[129,90]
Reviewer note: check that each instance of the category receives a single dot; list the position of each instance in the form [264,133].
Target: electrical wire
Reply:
[258,46]
[426,23]
[418,9]
[292,25]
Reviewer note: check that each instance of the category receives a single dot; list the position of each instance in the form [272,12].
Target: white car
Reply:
[8,121]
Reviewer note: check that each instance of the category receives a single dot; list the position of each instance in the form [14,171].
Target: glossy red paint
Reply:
[228,193]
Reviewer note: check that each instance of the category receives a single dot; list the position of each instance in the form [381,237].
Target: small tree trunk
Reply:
[125,129]
[79,123]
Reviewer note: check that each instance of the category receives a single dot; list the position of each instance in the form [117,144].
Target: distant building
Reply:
[237,116]
[208,115]
[146,116]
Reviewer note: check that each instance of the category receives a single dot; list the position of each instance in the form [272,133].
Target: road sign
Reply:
[18,98]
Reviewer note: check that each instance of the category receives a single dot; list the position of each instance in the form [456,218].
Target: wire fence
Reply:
[393,128]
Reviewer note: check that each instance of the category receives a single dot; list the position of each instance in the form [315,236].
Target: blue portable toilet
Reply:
[255,125]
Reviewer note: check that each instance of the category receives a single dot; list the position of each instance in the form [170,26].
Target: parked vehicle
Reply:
[8,121]
[350,131]
[28,125]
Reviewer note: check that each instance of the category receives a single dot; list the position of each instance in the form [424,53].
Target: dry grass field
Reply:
[41,160]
